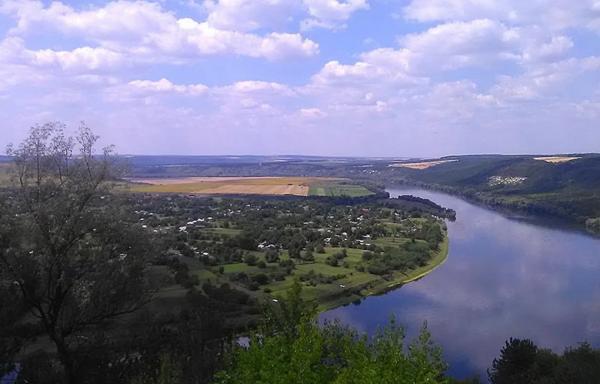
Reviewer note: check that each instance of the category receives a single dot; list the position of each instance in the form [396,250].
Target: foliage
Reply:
[522,362]
[293,348]
[65,245]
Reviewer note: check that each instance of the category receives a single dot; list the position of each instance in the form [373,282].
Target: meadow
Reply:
[296,186]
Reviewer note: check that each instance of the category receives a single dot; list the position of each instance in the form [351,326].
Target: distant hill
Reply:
[566,186]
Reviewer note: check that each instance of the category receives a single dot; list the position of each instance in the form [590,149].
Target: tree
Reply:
[65,244]
[272,255]
[521,361]
[517,358]
[250,259]
[294,349]
[308,256]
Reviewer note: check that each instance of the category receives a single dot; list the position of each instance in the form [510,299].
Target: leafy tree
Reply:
[272,255]
[521,361]
[250,259]
[516,364]
[308,256]
[65,244]
[286,317]
[293,348]
[332,260]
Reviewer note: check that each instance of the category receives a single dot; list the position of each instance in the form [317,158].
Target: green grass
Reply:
[345,290]
[224,231]
[352,286]
[338,190]
[239,267]
[205,275]
[439,259]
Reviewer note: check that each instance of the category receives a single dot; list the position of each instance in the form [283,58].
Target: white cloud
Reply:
[556,48]
[331,13]
[250,86]
[204,39]
[84,58]
[164,85]
[554,15]
[542,81]
[462,44]
[312,113]
[477,71]
[145,32]
[250,15]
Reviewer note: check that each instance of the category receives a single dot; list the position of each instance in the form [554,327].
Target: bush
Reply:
[261,278]
[331,260]
[336,354]
[272,255]
[250,259]
[308,256]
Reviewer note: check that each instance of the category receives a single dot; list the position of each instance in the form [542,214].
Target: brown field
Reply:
[298,186]
[4,173]
[556,159]
[421,165]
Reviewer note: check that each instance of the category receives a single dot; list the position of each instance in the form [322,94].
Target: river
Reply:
[504,277]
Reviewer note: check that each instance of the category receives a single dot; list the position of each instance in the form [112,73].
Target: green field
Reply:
[338,190]
[349,285]
[299,186]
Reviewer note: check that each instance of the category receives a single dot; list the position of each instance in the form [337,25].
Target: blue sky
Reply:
[325,77]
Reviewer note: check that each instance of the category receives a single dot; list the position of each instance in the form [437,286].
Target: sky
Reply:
[420,78]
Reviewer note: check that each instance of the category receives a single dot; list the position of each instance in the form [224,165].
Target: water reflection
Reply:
[502,278]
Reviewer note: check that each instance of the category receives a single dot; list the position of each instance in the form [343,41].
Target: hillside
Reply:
[567,187]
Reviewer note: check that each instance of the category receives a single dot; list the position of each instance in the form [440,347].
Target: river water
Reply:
[504,277]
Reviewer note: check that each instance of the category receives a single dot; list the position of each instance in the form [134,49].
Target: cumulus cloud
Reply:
[558,14]
[312,113]
[145,32]
[250,15]
[164,85]
[470,76]
[331,13]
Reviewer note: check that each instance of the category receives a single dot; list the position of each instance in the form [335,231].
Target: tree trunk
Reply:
[66,360]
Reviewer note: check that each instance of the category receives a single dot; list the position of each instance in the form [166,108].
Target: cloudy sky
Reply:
[328,77]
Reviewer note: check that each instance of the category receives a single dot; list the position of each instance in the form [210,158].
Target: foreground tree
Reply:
[293,348]
[65,247]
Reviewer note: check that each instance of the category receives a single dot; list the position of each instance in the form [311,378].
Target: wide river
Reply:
[504,278]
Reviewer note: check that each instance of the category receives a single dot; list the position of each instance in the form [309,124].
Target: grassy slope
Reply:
[338,189]
[570,190]
[353,286]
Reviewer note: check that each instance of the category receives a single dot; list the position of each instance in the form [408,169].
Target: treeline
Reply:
[523,362]
[416,205]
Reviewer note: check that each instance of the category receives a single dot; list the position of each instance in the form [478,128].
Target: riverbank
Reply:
[540,211]
[381,286]
[495,280]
